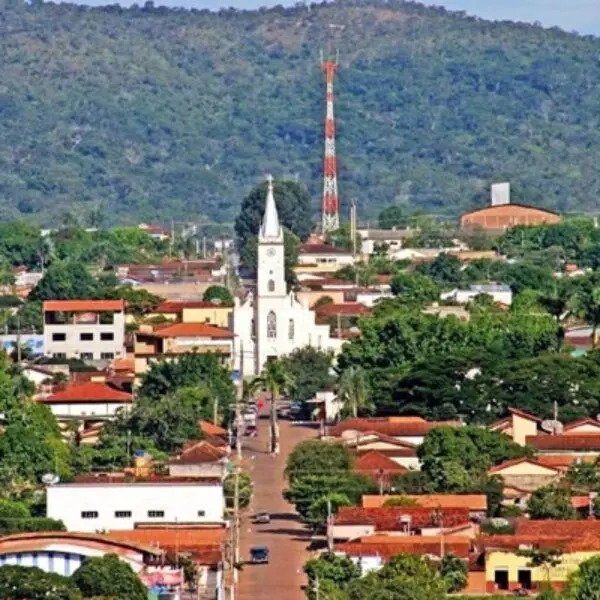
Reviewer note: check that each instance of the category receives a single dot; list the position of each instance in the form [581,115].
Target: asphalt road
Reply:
[285,535]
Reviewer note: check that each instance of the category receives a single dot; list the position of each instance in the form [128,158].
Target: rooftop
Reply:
[392,426]
[519,461]
[375,461]
[319,248]
[571,441]
[211,429]
[198,453]
[554,540]
[525,526]
[176,306]
[84,305]
[580,423]
[192,330]
[127,479]
[389,518]
[473,502]
[388,546]
[346,308]
[87,392]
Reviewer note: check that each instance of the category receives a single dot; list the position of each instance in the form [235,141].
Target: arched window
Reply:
[291,330]
[271,285]
[271,325]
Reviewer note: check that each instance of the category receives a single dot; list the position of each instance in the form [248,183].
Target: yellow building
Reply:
[194,312]
[518,425]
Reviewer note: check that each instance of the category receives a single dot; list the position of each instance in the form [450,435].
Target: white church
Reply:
[272,322]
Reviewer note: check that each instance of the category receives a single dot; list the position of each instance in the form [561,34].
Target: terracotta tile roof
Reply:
[375,461]
[501,425]
[319,248]
[520,461]
[562,461]
[87,392]
[572,441]
[525,415]
[177,306]
[346,308]
[84,305]
[387,547]
[473,502]
[198,453]
[370,437]
[396,453]
[185,539]
[392,426]
[563,528]
[121,479]
[126,363]
[192,330]
[567,542]
[211,429]
[40,539]
[579,502]
[387,518]
[578,423]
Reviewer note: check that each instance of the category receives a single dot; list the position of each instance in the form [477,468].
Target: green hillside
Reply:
[151,114]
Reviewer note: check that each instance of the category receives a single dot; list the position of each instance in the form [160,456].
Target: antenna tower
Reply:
[330,201]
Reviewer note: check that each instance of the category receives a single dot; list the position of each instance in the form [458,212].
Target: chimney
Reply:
[500,194]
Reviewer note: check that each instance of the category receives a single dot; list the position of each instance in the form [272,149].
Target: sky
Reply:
[572,15]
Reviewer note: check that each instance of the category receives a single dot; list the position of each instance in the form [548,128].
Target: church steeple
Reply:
[270,230]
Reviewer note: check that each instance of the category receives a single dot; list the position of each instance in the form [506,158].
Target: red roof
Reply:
[579,422]
[211,429]
[388,518]
[176,306]
[392,426]
[88,392]
[550,539]
[347,308]
[84,305]
[518,461]
[565,528]
[121,479]
[562,461]
[473,502]
[388,546]
[572,441]
[316,248]
[525,415]
[193,330]
[375,461]
[198,453]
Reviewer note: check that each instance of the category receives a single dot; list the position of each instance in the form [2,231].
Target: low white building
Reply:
[111,502]
[390,239]
[500,293]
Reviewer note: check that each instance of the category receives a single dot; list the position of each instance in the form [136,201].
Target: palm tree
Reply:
[276,380]
[353,391]
[588,305]
[558,301]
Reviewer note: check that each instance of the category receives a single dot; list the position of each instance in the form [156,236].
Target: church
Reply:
[272,323]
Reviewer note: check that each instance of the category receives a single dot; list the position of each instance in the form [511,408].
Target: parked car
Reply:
[259,555]
[250,431]
[261,518]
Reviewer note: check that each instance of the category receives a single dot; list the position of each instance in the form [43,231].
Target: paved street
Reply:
[285,536]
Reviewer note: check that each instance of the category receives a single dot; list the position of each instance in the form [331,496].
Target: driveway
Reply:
[285,536]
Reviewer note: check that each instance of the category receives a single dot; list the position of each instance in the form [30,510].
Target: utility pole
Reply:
[203,246]
[236,519]
[18,339]
[238,407]
[329,528]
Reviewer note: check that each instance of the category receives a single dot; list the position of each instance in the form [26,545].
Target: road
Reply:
[285,536]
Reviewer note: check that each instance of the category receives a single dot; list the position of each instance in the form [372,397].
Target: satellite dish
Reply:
[350,435]
[50,479]
[552,426]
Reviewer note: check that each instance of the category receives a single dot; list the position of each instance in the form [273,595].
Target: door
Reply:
[524,578]
[501,579]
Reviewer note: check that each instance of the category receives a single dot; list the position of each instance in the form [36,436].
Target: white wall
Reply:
[84,410]
[179,501]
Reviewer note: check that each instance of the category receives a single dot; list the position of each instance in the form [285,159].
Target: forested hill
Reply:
[152,113]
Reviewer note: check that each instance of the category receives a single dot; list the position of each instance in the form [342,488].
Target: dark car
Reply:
[261,517]
[259,555]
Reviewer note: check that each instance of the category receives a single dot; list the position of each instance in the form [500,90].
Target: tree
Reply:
[546,559]
[275,379]
[317,457]
[584,477]
[19,243]
[415,288]
[218,294]
[68,281]
[393,217]
[455,571]
[245,489]
[445,270]
[587,305]
[353,391]
[339,570]
[584,584]
[310,369]
[551,502]
[18,583]
[324,506]
[110,577]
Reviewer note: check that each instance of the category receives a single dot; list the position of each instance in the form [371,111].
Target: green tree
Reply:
[551,502]
[17,583]
[353,391]
[19,243]
[546,559]
[245,489]
[218,294]
[68,281]
[310,369]
[584,584]
[325,505]
[415,288]
[110,577]
[587,305]
[338,570]
[455,571]
[317,457]
[393,217]
[445,270]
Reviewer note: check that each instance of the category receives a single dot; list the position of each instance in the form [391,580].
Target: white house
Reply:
[273,323]
[500,293]
[112,502]
[391,239]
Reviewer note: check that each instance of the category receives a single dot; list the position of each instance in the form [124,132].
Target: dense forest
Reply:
[149,113]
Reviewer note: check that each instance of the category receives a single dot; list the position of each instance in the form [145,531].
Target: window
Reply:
[524,578]
[89,514]
[86,356]
[271,325]
[156,514]
[86,337]
[271,285]
[107,355]
[122,514]
[59,355]
[59,337]
[201,513]
[107,336]
[291,330]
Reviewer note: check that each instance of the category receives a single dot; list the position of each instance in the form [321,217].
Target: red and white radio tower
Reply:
[330,202]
